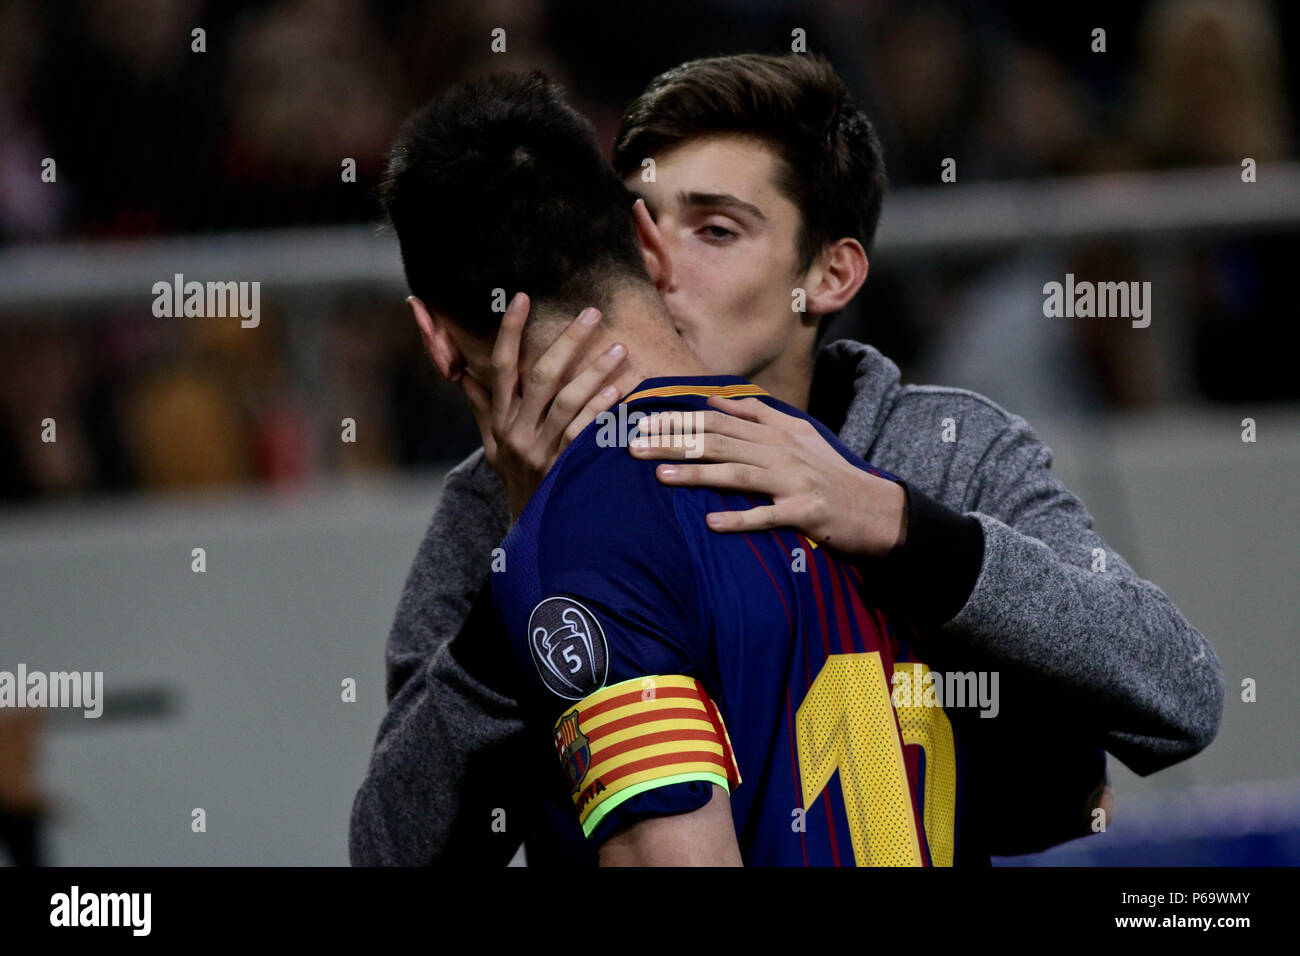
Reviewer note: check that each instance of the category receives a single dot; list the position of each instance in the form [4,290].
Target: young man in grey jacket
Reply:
[995,556]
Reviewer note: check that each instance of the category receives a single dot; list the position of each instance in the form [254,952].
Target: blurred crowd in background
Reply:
[153,139]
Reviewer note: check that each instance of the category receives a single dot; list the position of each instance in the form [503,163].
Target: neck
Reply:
[788,378]
[640,323]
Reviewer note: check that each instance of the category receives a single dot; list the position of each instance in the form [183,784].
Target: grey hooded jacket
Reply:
[1102,657]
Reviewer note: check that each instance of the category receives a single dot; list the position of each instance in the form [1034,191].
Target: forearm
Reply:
[454,556]
[443,727]
[1119,649]
[931,574]
[1122,658]
[703,837]
[434,785]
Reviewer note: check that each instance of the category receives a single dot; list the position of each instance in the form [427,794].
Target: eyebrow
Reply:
[725,200]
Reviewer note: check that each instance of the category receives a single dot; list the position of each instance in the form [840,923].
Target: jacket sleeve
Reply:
[1051,597]
[471,520]
[434,792]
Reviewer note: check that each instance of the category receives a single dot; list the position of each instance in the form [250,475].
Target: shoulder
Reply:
[914,401]
[975,454]
[603,505]
[883,414]
[965,422]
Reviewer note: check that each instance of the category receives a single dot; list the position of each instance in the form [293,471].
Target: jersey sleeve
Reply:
[651,746]
[620,650]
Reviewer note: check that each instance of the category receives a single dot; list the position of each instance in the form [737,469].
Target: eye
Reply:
[718,232]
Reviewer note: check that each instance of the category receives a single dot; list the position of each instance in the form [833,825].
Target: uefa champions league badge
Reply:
[568,647]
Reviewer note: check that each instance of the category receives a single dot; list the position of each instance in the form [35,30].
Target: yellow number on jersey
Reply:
[929,727]
[846,723]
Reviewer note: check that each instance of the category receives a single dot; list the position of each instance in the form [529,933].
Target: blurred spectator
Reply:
[309,87]
[131,113]
[1033,120]
[153,138]
[23,809]
[1000,343]
[926,64]
[1211,85]
[1212,92]
[44,376]
[29,207]
[184,431]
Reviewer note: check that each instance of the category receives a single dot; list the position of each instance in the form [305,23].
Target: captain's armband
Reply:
[637,735]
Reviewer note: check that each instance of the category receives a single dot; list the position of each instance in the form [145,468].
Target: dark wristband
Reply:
[933,573]
[481,647]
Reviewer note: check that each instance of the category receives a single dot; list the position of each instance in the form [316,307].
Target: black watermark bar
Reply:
[1148,905]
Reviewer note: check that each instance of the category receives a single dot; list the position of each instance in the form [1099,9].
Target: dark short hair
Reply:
[832,163]
[500,184]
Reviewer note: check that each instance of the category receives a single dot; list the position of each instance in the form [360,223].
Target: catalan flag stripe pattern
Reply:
[642,733]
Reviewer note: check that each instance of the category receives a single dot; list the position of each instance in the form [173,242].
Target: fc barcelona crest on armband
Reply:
[574,750]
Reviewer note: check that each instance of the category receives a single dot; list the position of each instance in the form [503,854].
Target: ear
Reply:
[653,249]
[836,277]
[442,348]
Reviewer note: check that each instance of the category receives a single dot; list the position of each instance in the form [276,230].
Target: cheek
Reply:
[747,290]
[779,283]
[708,288]
[762,292]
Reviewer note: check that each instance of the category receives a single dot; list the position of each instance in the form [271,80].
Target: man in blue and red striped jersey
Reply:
[671,662]
[659,664]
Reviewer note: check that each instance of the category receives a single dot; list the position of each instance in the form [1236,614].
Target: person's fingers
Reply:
[751,409]
[758,518]
[574,398]
[729,476]
[693,447]
[708,423]
[544,379]
[505,360]
[480,403]
[602,401]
